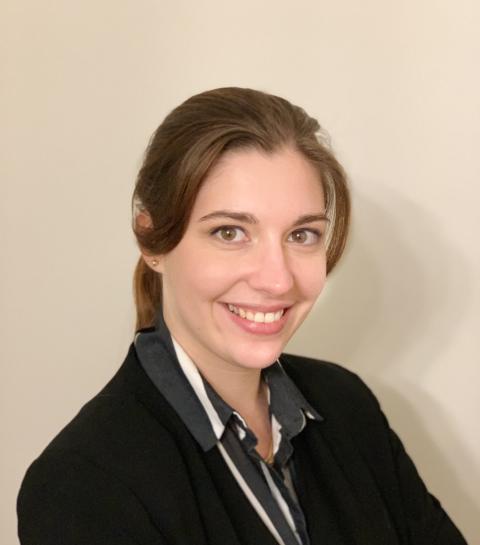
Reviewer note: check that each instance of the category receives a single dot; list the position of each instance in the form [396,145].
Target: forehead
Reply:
[263,184]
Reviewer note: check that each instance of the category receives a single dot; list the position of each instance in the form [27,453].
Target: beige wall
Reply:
[397,86]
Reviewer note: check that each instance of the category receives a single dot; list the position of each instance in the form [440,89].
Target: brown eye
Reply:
[228,233]
[305,237]
[299,236]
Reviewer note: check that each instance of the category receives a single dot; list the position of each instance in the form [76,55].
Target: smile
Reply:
[255,316]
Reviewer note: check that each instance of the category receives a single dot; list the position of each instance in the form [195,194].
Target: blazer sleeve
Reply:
[424,519]
[67,500]
[427,522]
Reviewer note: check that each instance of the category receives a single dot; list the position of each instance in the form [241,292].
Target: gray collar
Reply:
[157,356]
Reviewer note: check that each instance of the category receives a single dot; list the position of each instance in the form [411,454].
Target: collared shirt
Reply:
[269,488]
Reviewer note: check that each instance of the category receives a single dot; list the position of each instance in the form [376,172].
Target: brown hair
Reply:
[187,145]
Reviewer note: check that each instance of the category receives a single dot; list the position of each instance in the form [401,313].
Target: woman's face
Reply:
[251,263]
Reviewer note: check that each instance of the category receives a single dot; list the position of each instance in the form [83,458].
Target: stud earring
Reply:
[154,262]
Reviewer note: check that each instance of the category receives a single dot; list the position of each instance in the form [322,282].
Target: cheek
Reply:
[217,277]
[311,278]
[198,276]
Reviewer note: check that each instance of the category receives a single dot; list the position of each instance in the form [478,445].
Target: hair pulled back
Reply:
[189,142]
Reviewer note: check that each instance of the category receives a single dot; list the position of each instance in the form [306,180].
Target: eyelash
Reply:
[215,233]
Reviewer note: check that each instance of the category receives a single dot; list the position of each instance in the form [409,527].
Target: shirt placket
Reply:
[249,442]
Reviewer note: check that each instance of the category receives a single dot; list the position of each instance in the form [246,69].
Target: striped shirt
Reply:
[269,488]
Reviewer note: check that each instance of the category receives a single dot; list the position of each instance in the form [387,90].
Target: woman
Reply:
[208,434]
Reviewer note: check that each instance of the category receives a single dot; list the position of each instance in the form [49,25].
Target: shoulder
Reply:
[334,391]
[353,421]
[92,475]
[118,425]
[102,440]
[116,416]
[324,377]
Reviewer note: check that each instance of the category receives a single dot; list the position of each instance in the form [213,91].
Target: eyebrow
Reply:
[245,217]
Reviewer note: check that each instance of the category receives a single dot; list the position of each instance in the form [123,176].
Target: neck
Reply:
[242,389]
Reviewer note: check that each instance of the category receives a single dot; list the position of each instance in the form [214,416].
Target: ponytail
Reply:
[147,291]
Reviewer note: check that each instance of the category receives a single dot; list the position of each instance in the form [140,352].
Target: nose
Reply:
[270,270]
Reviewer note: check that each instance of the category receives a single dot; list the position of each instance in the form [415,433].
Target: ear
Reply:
[155,262]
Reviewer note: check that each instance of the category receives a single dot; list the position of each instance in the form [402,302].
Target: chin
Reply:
[258,357]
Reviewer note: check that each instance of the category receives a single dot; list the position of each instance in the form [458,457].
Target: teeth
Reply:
[269,317]
[259,317]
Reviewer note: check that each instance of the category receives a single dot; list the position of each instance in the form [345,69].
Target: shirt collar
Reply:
[202,410]
[156,352]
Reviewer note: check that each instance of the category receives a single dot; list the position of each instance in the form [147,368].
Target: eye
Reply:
[305,237]
[229,233]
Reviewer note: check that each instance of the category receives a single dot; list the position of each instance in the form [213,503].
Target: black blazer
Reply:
[126,471]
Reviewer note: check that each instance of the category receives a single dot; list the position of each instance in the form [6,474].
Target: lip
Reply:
[258,328]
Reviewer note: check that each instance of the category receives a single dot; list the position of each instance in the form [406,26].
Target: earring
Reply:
[154,262]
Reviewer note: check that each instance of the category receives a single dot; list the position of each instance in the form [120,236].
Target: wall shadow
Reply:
[389,312]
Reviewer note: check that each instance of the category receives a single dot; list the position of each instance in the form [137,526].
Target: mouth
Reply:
[259,321]
[257,316]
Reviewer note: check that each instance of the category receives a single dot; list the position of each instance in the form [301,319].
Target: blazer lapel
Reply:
[236,508]
[341,503]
